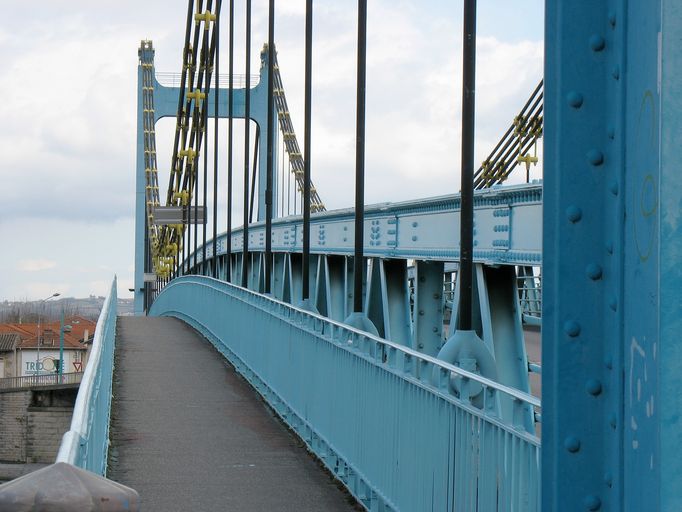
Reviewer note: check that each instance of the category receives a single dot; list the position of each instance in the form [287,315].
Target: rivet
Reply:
[421,345]
[592,502]
[613,420]
[612,18]
[574,213]
[615,72]
[575,99]
[593,387]
[415,224]
[435,329]
[572,444]
[597,43]
[611,132]
[593,271]
[613,187]
[421,312]
[613,303]
[414,238]
[595,157]
[608,479]
[609,247]
[572,328]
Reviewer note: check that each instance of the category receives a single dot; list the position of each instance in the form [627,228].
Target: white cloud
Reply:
[36,265]
[41,289]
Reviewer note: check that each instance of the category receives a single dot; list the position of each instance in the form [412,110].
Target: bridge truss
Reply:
[408,295]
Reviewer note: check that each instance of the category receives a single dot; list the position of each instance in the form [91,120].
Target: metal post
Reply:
[254,170]
[270,149]
[467,193]
[230,109]
[196,211]
[215,141]
[61,346]
[306,143]
[360,158]
[40,310]
[247,126]
[207,88]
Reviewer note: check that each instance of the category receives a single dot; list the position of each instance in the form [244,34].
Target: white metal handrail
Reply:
[86,443]
[31,381]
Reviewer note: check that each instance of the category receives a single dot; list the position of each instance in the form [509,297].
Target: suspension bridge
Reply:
[396,341]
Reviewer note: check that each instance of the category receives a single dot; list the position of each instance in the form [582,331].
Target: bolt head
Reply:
[575,99]
[572,444]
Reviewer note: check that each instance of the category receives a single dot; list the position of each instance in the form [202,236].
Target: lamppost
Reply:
[40,310]
[62,328]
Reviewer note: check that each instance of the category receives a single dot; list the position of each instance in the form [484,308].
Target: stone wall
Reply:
[32,424]
[46,426]
[13,425]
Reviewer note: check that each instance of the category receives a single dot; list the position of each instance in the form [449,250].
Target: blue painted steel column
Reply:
[582,267]
[612,244]
[668,360]
[145,55]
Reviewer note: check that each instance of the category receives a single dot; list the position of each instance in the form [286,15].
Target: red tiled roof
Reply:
[50,330]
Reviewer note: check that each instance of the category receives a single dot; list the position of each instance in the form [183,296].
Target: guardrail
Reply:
[170,79]
[32,381]
[369,407]
[87,442]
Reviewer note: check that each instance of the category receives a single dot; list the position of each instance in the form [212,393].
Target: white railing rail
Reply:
[86,444]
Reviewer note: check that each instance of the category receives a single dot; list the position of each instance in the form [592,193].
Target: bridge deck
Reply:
[189,434]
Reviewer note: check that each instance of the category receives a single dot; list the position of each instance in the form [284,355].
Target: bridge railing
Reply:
[32,381]
[385,419]
[86,444]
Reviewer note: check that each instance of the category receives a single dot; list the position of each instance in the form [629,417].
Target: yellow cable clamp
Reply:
[183,196]
[195,95]
[528,160]
[206,17]
[189,153]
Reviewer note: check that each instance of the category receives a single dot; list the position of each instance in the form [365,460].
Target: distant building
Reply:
[36,352]
[8,354]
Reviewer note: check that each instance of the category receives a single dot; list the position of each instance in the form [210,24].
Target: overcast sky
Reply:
[68,115]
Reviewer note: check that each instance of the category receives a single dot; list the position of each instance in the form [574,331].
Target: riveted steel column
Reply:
[583,247]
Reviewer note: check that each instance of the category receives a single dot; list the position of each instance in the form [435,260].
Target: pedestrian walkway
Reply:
[188,433]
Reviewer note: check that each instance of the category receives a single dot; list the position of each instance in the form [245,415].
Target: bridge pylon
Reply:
[156,101]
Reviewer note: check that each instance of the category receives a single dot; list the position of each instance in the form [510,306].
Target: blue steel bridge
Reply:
[395,341]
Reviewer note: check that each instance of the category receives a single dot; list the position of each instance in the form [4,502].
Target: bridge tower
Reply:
[612,246]
[164,100]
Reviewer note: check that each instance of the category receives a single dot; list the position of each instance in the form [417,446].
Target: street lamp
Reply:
[40,309]
[62,328]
